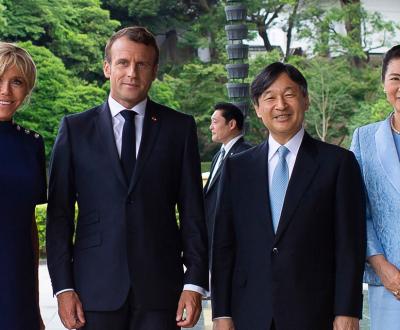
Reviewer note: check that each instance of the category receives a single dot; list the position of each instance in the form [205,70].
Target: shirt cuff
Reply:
[65,290]
[195,288]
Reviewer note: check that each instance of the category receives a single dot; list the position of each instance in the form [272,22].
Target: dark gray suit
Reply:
[211,188]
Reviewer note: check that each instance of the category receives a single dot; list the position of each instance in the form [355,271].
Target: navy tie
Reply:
[128,149]
[280,181]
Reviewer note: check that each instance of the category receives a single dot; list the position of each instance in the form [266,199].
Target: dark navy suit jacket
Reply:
[211,188]
[127,235]
[311,269]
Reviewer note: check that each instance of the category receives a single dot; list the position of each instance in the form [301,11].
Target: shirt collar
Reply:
[116,108]
[293,144]
[230,144]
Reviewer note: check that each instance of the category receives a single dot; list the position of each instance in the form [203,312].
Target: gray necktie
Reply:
[280,181]
[221,158]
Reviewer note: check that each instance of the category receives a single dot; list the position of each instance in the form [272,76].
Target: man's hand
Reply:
[388,273]
[70,310]
[223,324]
[346,323]
[190,302]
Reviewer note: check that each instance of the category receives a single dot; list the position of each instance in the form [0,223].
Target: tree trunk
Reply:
[292,19]
[264,35]
[353,27]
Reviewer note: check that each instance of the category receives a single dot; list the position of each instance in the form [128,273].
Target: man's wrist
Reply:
[62,291]
[195,288]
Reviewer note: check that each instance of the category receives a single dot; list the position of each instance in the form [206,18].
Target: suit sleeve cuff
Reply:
[65,290]
[195,288]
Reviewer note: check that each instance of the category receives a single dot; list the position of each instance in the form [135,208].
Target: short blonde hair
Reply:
[10,55]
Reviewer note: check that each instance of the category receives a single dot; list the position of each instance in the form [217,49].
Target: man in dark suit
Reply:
[127,164]
[226,128]
[289,239]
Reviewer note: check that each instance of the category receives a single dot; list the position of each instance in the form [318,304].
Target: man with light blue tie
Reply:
[289,237]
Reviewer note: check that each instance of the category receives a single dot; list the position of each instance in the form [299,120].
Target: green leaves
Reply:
[58,92]
[74,30]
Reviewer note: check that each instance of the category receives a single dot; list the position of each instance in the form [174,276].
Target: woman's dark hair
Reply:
[391,54]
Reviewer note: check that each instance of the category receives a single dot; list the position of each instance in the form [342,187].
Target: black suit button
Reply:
[130,201]
[275,251]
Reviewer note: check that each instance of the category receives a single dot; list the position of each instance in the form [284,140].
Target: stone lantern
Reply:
[237,68]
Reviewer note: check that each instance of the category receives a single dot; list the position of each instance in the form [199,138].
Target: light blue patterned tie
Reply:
[279,185]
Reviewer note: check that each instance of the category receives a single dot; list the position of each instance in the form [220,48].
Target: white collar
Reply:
[116,108]
[230,144]
[293,144]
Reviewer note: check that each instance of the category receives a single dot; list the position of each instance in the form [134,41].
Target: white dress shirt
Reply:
[118,125]
[118,121]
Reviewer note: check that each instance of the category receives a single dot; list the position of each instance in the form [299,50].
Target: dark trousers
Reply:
[131,317]
[273,325]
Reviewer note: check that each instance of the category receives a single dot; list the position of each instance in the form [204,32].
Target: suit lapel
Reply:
[305,167]
[217,174]
[232,151]
[151,127]
[107,140]
[387,153]
[213,163]
[260,198]
[235,147]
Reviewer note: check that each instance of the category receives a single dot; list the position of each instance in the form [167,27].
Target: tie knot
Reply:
[283,151]
[128,115]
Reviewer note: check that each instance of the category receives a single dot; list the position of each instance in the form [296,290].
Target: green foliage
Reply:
[321,25]
[3,21]
[208,31]
[57,93]
[41,225]
[173,14]
[74,30]
[330,90]
[368,112]
[205,167]
[198,87]
[163,92]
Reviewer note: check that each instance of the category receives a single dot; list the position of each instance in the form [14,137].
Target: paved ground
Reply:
[48,306]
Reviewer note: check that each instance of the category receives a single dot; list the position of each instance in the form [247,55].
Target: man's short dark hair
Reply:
[229,112]
[270,73]
[391,54]
[137,34]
